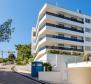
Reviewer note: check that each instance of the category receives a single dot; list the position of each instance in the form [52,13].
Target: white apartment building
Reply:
[60,34]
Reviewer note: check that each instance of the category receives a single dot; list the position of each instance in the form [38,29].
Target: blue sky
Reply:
[24,14]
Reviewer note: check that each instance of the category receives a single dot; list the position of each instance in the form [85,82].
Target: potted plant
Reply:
[47,67]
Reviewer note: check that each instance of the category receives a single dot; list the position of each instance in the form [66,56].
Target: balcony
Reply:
[60,48]
[62,27]
[65,38]
[64,48]
[60,37]
[64,17]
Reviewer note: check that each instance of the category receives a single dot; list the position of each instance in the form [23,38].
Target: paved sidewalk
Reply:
[28,75]
[33,78]
[23,68]
[7,76]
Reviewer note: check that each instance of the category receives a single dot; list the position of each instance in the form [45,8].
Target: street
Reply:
[9,77]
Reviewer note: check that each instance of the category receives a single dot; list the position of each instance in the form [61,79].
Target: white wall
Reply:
[53,77]
[43,58]
[60,70]
[59,60]
[79,73]
[59,65]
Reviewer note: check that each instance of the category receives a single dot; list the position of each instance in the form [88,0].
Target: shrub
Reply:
[53,51]
[47,66]
[66,53]
[76,53]
[1,60]
[19,63]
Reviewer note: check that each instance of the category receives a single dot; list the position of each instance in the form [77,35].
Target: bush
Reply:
[1,60]
[20,63]
[59,52]
[47,66]
[5,60]
[76,53]
[66,53]
[53,51]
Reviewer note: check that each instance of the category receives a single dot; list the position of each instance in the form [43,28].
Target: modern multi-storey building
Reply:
[60,32]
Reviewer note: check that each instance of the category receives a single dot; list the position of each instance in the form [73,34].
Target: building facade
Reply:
[60,32]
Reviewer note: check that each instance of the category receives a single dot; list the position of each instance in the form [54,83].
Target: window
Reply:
[79,28]
[87,29]
[73,37]
[87,20]
[61,35]
[60,14]
[80,38]
[34,33]
[88,39]
[73,27]
[74,47]
[61,45]
[80,47]
[88,48]
[80,19]
[74,18]
[62,25]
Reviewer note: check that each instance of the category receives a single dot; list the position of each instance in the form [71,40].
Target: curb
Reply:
[42,82]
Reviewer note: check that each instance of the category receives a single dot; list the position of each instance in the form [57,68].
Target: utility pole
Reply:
[2,54]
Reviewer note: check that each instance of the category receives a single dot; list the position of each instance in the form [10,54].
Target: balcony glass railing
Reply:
[64,17]
[42,27]
[65,38]
[60,48]
[62,27]
[60,37]
[41,38]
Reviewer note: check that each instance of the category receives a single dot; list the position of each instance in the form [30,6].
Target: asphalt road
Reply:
[9,77]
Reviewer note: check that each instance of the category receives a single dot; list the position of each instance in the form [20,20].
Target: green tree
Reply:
[5,60]
[6,30]
[11,57]
[23,53]
[1,60]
